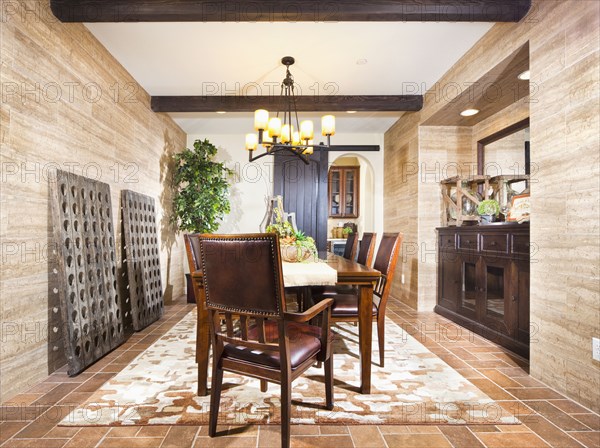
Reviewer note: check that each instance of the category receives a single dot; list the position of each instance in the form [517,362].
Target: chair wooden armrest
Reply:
[309,313]
[324,305]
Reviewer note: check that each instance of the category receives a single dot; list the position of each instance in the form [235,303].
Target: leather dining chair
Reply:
[345,306]
[367,247]
[351,245]
[243,285]
[192,247]
[365,257]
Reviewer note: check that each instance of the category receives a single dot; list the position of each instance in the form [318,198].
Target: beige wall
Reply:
[444,151]
[401,177]
[565,302]
[66,103]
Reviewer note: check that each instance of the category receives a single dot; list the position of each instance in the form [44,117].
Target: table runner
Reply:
[308,274]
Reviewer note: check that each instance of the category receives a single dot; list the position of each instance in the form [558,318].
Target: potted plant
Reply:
[295,245]
[488,209]
[346,231]
[201,192]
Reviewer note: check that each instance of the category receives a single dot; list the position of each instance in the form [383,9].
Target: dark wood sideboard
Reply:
[483,281]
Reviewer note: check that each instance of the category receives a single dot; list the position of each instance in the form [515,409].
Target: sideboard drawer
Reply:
[468,241]
[494,243]
[448,241]
[520,244]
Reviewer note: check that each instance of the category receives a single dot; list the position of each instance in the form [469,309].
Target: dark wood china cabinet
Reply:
[344,191]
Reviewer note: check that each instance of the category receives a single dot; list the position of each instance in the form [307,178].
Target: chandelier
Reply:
[278,134]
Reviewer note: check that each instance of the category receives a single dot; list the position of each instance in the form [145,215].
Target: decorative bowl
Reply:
[294,254]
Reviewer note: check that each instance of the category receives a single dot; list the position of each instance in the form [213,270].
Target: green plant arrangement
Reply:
[295,245]
[346,231]
[488,207]
[201,189]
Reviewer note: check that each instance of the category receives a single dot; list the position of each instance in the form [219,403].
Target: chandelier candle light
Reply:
[275,136]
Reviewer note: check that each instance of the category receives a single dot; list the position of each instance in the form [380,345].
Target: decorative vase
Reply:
[487,219]
[294,254]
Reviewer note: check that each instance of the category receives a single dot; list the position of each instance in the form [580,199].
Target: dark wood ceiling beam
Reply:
[333,103]
[290,11]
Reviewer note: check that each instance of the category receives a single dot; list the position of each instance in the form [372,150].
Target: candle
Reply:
[274,127]
[328,125]
[251,142]
[261,119]
[306,130]
[296,138]
[286,133]
[310,149]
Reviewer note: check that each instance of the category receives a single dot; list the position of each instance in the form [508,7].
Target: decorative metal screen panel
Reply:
[142,258]
[90,305]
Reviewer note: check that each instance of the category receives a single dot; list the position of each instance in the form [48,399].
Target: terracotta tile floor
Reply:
[548,418]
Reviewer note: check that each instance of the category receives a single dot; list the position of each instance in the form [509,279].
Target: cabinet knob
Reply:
[493,243]
[514,298]
[468,241]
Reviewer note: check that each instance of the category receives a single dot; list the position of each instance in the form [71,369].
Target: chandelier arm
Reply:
[288,106]
[278,148]
[281,102]
[295,109]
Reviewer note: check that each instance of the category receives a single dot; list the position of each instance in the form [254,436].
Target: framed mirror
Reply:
[506,152]
[505,157]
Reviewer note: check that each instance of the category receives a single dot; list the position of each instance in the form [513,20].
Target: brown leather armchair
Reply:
[345,307]
[243,284]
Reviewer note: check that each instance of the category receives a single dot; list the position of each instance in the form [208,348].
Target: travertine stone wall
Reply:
[444,151]
[565,126]
[401,162]
[68,104]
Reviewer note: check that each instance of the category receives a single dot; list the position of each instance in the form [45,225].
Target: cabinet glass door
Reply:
[335,193]
[494,303]
[469,289]
[498,307]
[349,192]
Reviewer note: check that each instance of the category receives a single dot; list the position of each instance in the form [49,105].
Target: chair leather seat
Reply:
[346,305]
[304,343]
[333,290]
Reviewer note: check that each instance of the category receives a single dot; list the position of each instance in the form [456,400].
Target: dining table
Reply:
[332,269]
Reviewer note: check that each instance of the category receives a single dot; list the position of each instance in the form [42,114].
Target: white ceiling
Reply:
[349,58]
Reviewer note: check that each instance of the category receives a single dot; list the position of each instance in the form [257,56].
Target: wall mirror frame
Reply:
[481,144]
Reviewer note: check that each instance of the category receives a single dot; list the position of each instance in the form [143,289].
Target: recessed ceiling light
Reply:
[469,112]
[361,61]
[350,111]
[221,112]
[525,75]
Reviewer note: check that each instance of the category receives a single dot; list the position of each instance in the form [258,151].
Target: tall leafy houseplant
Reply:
[201,193]
[201,196]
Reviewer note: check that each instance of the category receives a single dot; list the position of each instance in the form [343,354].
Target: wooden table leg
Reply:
[202,349]
[365,336]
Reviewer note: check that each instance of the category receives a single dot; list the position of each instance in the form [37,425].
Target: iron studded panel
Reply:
[143,258]
[90,306]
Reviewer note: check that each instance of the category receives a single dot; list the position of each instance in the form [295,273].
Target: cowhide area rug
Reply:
[415,387]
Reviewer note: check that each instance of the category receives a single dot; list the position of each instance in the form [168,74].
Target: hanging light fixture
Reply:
[285,133]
